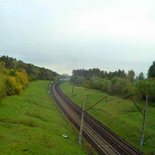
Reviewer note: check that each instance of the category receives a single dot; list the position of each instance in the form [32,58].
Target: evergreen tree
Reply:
[141,76]
[151,71]
[131,75]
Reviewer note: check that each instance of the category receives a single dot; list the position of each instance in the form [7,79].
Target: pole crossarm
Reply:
[137,107]
[96,103]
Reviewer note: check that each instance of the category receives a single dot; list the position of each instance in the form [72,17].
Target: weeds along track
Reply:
[98,135]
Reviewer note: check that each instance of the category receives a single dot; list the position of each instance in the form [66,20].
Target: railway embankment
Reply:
[98,135]
[31,123]
[120,115]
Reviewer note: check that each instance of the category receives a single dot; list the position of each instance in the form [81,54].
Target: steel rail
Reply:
[103,139]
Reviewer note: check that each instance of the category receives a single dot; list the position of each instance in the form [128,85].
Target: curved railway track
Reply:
[98,135]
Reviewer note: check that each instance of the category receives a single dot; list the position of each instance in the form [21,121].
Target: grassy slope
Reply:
[32,124]
[121,116]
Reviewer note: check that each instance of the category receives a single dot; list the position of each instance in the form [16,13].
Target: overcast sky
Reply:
[63,35]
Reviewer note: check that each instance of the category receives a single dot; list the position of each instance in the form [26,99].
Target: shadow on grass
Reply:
[29,123]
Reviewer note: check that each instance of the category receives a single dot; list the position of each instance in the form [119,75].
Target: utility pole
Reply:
[144,119]
[82,118]
[143,124]
[72,89]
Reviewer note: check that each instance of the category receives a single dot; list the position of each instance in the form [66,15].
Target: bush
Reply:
[96,82]
[122,87]
[145,87]
[106,86]
[12,82]
[22,79]
[12,86]
[78,80]
[2,87]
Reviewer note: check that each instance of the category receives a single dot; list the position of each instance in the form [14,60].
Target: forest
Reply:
[118,83]
[15,75]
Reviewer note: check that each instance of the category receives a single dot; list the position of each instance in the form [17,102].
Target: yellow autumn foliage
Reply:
[13,86]
[22,78]
[2,86]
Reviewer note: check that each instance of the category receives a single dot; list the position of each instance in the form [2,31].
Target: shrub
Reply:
[96,82]
[2,86]
[106,86]
[122,87]
[78,80]
[12,86]
[22,78]
[145,87]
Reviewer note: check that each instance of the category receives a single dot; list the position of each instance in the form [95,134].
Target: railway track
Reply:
[98,135]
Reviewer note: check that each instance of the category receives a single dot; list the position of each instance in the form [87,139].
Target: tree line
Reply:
[15,75]
[88,74]
[118,82]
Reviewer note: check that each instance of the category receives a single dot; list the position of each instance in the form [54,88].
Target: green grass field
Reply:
[32,124]
[120,115]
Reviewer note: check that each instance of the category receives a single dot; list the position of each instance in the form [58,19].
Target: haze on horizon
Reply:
[66,35]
